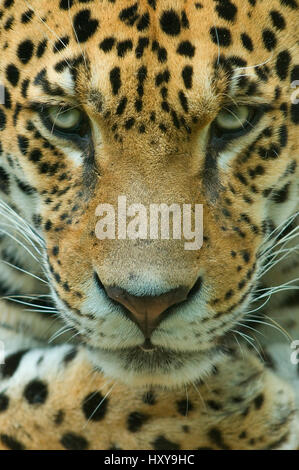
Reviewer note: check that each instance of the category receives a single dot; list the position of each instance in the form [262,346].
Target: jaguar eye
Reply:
[234,118]
[234,122]
[64,119]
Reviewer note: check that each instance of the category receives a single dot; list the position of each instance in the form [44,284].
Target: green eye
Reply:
[63,119]
[234,119]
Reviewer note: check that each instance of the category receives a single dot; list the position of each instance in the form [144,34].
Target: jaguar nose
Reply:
[146,311]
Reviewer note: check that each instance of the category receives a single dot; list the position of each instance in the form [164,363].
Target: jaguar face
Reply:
[160,103]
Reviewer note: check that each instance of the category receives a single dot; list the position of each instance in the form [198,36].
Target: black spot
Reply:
[258,401]
[162,77]
[290,3]
[70,356]
[184,406]
[72,441]
[221,36]
[60,44]
[185,21]
[138,105]
[283,135]
[59,417]
[214,405]
[27,16]
[170,22]
[7,98]
[162,127]
[66,4]
[143,23]
[262,73]
[245,256]
[57,277]
[8,3]
[186,48]
[9,23]
[229,294]
[24,87]
[41,48]
[12,363]
[115,80]
[149,398]
[129,15]
[295,73]
[165,106]
[143,42]
[94,406]
[36,392]
[175,119]
[282,64]
[25,51]
[284,108]
[152,3]
[215,436]
[282,195]
[129,123]
[35,155]
[269,39]
[121,106]
[183,101]
[277,19]
[26,188]
[2,120]
[226,10]
[4,402]
[162,54]
[12,74]
[136,420]
[123,47]
[11,443]
[247,42]
[107,44]
[161,443]
[295,113]
[269,154]
[187,74]
[16,113]
[85,27]
[55,251]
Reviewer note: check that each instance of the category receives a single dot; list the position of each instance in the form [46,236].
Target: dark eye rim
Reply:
[79,134]
[225,135]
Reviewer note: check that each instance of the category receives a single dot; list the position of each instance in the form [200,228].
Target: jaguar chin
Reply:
[156,366]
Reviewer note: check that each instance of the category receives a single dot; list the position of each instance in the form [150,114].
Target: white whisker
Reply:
[23,271]
[101,402]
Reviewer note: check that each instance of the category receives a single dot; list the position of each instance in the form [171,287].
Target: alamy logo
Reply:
[2,94]
[295,353]
[137,222]
[2,353]
[295,94]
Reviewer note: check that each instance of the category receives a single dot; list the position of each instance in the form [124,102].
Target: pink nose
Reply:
[146,311]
